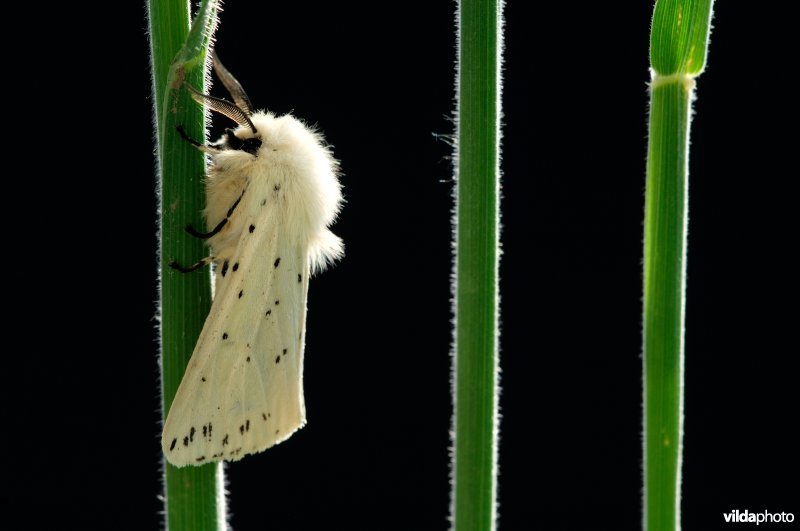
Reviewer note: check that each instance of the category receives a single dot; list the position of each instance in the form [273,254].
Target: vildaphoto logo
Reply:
[764,517]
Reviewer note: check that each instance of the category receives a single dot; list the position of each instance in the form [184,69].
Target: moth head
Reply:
[240,111]
[246,141]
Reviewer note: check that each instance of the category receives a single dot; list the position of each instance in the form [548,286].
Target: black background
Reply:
[378,79]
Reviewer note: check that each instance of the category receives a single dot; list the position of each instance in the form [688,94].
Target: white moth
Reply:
[271,192]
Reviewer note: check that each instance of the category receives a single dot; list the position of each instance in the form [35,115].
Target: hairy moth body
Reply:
[272,191]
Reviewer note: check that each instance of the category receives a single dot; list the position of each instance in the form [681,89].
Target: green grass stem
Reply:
[194,496]
[679,40]
[477,257]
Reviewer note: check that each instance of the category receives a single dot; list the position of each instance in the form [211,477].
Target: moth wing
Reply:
[242,391]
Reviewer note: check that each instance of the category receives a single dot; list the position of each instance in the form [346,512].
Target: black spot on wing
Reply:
[269,312]
[191,434]
[175,441]
[252,228]
[277,261]
[277,302]
[225,268]
[225,440]
[186,441]
[224,336]
[278,359]
[299,277]
[241,292]
[236,266]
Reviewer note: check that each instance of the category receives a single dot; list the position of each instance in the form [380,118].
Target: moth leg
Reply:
[205,235]
[195,143]
[194,267]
